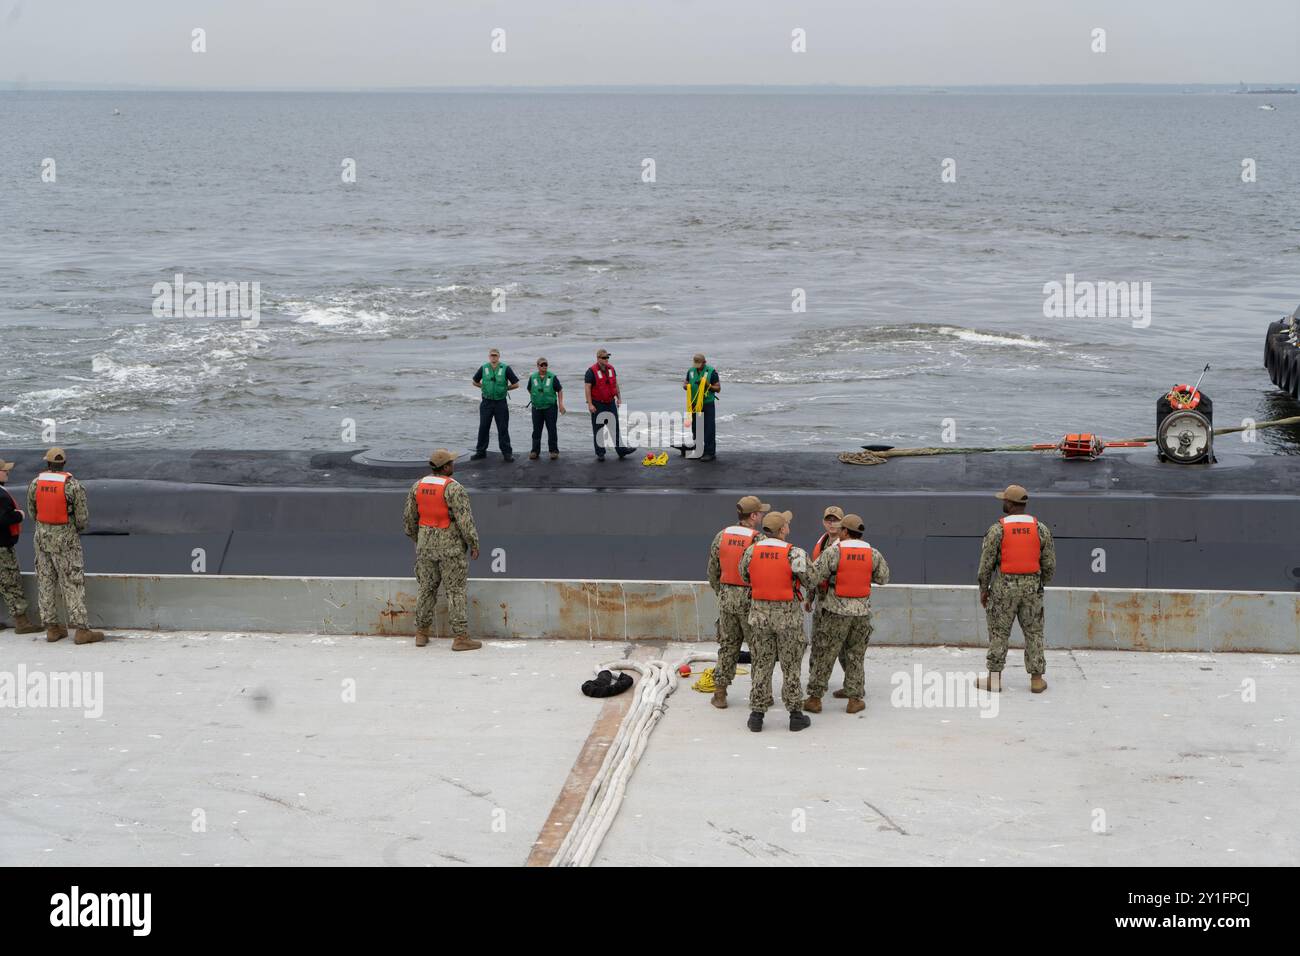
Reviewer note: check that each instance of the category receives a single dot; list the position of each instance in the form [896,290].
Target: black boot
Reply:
[755,721]
[799,720]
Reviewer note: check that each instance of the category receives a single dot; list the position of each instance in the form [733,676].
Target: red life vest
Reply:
[52,497]
[16,529]
[1021,548]
[853,575]
[816,553]
[605,383]
[731,549]
[770,573]
[431,499]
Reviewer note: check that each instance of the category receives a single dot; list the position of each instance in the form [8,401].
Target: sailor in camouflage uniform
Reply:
[725,552]
[11,579]
[851,566]
[776,571]
[439,520]
[1017,561]
[831,519]
[58,502]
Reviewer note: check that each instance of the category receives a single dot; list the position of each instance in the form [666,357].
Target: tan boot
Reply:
[421,636]
[463,643]
[719,699]
[856,704]
[839,694]
[813,705]
[1036,683]
[25,625]
[992,681]
[55,633]
[86,636]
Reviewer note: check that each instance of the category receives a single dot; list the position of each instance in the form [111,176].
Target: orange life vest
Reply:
[853,575]
[1021,548]
[770,573]
[431,499]
[52,497]
[731,549]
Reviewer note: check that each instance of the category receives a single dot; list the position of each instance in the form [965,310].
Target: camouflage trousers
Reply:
[1011,598]
[452,572]
[818,622]
[768,645]
[60,573]
[841,638]
[11,583]
[733,630]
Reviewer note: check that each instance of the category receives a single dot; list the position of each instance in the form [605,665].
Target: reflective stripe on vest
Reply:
[494,383]
[604,383]
[770,574]
[431,499]
[1021,548]
[541,391]
[52,497]
[853,575]
[731,549]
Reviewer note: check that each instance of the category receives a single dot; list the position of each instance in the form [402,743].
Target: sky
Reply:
[350,44]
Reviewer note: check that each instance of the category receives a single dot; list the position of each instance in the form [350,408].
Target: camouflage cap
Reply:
[777,520]
[749,504]
[1014,494]
[602,353]
[6,465]
[55,454]
[853,523]
[440,457]
[834,511]
[699,357]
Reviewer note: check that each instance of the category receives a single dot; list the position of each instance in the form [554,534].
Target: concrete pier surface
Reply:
[229,749]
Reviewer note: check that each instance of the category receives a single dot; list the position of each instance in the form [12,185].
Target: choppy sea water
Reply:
[924,299]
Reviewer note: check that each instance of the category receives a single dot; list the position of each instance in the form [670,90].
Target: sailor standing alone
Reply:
[439,520]
[59,503]
[1017,561]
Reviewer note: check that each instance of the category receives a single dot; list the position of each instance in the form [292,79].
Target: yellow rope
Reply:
[706,685]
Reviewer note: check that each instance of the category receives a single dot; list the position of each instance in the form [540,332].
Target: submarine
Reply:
[1125,519]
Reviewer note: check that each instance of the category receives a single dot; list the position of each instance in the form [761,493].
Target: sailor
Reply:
[850,566]
[702,388]
[603,398]
[59,504]
[546,395]
[494,380]
[831,532]
[11,581]
[776,571]
[439,520]
[725,552]
[1017,561]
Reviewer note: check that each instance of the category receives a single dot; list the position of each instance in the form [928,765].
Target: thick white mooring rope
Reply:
[605,795]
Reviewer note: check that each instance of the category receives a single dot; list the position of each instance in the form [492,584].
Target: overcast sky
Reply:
[378,43]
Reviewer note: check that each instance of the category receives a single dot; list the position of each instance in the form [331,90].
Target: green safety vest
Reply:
[542,390]
[693,378]
[494,383]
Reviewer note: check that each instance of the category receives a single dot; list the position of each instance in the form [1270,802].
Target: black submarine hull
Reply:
[1122,521]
